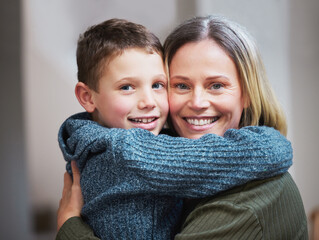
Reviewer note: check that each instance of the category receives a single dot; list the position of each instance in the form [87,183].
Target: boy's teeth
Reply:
[200,122]
[143,120]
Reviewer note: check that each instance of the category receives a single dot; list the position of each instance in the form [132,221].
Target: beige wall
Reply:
[14,202]
[286,32]
[304,79]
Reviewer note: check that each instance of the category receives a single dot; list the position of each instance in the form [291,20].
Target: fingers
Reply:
[71,202]
[76,173]
[75,169]
[67,180]
[67,184]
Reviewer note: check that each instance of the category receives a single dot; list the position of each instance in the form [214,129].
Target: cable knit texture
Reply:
[133,182]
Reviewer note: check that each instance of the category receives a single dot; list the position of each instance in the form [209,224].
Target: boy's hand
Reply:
[71,202]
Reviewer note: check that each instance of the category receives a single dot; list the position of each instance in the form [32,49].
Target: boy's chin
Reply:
[155,132]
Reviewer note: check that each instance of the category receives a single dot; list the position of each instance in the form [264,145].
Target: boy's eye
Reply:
[158,85]
[126,88]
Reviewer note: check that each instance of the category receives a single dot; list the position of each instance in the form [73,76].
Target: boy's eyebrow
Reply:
[134,79]
[129,78]
[161,76]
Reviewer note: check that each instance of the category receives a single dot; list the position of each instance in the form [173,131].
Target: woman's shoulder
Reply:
[270,204]
[259,193]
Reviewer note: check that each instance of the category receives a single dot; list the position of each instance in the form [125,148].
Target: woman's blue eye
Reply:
[181,86]
[217,86]
[158,85]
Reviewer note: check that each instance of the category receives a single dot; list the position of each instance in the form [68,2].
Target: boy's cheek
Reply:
[164,105]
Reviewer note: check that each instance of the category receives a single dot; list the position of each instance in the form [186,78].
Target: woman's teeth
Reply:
[143,120]
[201,122]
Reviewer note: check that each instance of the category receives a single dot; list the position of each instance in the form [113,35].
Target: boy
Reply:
[122,84]
[122,81]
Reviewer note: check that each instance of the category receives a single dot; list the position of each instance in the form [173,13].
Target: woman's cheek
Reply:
[174,103]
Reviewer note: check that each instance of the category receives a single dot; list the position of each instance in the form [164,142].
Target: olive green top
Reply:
[265,209]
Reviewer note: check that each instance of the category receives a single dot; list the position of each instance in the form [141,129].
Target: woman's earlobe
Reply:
[84,95]
[246,102]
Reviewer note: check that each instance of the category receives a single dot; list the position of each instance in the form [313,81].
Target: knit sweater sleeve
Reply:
[179,166]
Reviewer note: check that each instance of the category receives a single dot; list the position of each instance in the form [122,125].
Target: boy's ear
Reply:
[84,95]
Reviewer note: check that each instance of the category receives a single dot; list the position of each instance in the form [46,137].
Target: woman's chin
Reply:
[197,131]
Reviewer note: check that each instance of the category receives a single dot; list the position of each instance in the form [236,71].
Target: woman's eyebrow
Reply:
[180,77]
[206,78]
[217,77]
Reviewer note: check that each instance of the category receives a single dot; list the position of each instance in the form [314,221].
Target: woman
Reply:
[216,72]
[218,83]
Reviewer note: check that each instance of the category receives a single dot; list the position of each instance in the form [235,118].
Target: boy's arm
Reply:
[206,166]
[179,166]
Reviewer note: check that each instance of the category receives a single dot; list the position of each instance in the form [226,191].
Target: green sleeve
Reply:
[75,229]
[220,221]
[263,209]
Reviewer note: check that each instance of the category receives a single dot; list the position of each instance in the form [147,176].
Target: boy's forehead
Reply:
[146,50]
[132,59]
[125,53]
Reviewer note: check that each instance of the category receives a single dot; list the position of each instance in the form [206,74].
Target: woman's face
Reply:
[205,95]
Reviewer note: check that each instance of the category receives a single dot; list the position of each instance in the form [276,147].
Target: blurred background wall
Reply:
[38,75]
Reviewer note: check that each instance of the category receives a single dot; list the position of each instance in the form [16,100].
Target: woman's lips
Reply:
[201,121]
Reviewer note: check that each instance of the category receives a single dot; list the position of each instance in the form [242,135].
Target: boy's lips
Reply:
[143,120]
[147,123]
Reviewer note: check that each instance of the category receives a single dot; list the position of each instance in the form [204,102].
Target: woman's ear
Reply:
[84,95]
[246,102]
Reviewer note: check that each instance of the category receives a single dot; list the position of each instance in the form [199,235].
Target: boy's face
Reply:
[132,92]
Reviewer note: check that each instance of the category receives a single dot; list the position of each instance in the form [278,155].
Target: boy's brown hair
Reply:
[108,39]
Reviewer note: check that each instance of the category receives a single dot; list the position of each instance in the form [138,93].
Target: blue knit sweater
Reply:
[133,181]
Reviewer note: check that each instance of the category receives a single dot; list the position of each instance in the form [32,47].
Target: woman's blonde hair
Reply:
[263,108]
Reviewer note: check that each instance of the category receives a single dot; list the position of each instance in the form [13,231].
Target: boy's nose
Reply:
[146,101]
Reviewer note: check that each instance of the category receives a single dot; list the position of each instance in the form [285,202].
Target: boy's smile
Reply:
[132,92]
[148,123]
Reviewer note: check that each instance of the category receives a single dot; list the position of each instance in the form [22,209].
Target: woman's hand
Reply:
[71,202]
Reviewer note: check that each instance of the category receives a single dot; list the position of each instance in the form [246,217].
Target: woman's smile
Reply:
[200,121]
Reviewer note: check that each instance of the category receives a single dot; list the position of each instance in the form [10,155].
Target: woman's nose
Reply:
[199,100]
